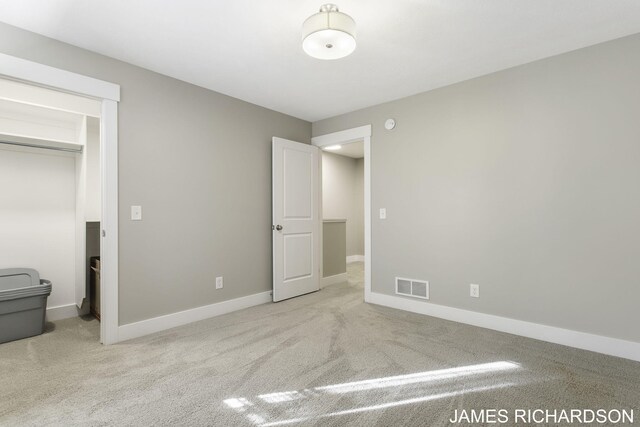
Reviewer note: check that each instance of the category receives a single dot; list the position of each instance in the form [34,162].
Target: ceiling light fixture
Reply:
[333,147]
[329,34]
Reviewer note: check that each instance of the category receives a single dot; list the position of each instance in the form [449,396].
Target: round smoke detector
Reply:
[390,124]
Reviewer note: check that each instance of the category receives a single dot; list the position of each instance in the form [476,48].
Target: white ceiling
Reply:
[251,49]
[354,150]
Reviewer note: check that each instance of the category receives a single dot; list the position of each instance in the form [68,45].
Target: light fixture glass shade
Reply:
[329,34]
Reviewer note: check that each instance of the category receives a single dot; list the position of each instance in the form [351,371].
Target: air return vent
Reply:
[412,288]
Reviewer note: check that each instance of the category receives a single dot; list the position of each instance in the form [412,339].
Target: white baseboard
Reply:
[157,324]
[581,340]
[63,312]
[355,258]
[332,280]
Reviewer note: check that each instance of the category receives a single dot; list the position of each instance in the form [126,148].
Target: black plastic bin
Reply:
[94,287]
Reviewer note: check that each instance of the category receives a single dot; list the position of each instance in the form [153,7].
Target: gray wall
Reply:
[343,196]
[199,163]
[334,255]
[526,181]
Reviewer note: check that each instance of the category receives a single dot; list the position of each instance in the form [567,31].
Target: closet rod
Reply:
[24,144]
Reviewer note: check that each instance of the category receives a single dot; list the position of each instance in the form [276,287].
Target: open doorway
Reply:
[343,214]
[346,208]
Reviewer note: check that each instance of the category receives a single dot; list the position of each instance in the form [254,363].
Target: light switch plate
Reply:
[136,213]
[383,213]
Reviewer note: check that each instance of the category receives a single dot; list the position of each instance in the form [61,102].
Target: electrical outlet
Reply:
[383,213]
[219,282]
[474,290]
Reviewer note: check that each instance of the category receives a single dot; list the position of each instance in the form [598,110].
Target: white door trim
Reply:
[109,94]
[44,75]
[109,322]
[344,137]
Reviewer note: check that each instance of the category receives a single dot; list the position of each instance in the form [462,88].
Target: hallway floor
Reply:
[321,359]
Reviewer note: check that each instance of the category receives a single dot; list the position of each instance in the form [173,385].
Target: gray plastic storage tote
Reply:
[23,303]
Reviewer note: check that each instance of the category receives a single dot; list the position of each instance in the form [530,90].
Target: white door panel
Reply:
[298,256]
[298,184]
[296,219]
[81,221]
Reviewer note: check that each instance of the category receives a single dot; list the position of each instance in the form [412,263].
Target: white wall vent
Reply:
[412,288]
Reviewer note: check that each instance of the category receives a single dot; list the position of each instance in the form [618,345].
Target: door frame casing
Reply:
[108,94]
[362,133]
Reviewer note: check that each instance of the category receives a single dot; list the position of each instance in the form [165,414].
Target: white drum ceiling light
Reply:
[329,34]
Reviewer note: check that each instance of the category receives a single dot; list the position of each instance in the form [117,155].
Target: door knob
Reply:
[279,227]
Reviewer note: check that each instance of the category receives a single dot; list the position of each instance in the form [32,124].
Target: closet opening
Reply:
[51,204]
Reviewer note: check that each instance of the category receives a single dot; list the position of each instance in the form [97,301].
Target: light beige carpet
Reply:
[321,359]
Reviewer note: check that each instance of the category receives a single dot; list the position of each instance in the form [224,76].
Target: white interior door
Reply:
[296,219]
